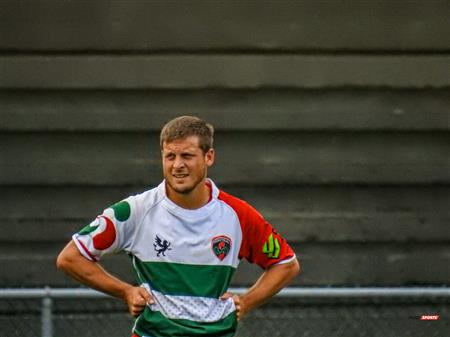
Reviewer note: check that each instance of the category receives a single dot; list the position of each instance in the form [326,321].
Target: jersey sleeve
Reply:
[110,232]
[261,243]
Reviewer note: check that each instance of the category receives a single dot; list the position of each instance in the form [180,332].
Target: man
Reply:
[186,238]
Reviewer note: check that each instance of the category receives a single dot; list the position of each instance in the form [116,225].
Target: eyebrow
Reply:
[168,152]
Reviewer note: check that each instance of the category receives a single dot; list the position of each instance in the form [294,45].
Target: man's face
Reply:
[184,164]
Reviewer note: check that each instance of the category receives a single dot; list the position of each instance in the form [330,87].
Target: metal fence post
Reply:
[46,316]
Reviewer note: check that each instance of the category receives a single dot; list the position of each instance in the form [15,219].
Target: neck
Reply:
[196,198]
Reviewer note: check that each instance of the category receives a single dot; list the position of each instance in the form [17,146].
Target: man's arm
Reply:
[94,276]
[271,281]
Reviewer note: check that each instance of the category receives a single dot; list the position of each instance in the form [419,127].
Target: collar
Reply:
[201,212]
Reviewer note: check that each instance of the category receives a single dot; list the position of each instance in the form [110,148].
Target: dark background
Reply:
[332,119]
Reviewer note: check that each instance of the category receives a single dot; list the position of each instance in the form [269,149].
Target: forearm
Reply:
[90,273]
[271,281]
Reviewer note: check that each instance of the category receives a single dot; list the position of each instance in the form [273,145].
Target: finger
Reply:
[141,298]
[226,296]
[139,301]
[135,310]
[238,315]
[146,295]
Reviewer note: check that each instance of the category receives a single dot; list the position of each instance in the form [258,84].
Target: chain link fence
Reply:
[298,312]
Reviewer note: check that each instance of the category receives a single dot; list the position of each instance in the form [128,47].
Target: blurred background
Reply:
[331,117]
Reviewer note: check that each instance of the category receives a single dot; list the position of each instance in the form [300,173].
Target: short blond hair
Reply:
[185,126]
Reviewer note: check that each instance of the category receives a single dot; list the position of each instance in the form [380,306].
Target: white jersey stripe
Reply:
[197,309]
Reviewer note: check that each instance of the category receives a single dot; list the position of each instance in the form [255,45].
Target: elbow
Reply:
[66,258]
[293,271]
[61,261]
[290,270]
[296,268]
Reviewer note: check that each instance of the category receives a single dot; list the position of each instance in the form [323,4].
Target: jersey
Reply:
[185,258]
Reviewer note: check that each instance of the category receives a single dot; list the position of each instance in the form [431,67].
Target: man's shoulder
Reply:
[148,196]
[145,200]
[240,206]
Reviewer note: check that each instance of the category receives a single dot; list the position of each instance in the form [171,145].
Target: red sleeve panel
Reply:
[261,244]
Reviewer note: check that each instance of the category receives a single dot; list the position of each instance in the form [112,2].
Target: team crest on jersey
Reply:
[221,246]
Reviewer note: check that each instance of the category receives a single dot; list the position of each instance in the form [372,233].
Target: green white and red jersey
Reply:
[185,258]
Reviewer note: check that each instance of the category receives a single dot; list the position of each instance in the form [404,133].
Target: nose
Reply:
[178,163]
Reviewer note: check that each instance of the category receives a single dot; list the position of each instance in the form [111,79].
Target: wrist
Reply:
[246,302]
[124,290]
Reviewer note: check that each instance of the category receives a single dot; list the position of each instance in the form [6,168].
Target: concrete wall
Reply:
[332,119]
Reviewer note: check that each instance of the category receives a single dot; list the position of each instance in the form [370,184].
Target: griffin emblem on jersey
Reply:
[161,246]
[221,246]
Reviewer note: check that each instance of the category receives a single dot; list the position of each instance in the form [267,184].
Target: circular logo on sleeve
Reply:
[106,235]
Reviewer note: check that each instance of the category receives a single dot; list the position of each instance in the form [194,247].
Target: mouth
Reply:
[180,176]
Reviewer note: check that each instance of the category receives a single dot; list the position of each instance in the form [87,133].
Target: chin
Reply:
[183,189]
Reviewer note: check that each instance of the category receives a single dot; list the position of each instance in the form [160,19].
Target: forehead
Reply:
[191,143]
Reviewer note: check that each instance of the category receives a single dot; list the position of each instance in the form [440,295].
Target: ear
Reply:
[209,157]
